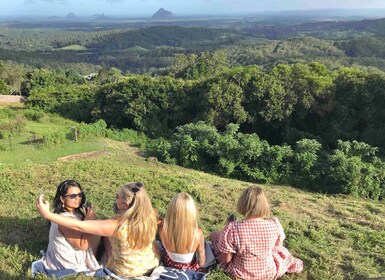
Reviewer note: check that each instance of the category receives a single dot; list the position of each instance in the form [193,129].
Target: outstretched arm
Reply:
[96,227]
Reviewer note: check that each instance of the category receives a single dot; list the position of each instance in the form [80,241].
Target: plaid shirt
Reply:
[258,250]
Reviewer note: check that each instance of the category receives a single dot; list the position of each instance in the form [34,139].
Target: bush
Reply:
[354,169]
[161,149]
[132,136]
[33,115]
[53,140]
[6,113]
[304,163]
[83,130]
[15,125]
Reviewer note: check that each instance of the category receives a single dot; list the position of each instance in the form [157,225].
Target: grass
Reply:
[337,237]
[25,146]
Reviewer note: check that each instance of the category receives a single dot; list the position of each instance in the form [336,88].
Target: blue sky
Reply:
[178,7]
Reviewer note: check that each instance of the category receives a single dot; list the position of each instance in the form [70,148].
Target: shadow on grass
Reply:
[6,276]
[29,235]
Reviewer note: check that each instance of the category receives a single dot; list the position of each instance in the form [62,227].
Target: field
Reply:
[337,237]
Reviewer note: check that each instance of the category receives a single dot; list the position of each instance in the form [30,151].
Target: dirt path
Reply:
[83,155]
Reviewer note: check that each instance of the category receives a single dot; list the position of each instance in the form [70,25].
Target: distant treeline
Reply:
[151,49]
[319,127]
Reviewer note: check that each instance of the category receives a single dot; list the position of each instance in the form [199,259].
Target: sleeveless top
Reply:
[62,255]
[182,258]
[127,262]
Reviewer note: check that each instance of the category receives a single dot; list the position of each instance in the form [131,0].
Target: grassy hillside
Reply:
[337,237]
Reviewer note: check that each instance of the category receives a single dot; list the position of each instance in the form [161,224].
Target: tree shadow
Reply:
[30,235]
[5,275]
[23,236]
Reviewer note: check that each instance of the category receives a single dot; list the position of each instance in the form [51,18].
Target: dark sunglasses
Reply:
[74,195]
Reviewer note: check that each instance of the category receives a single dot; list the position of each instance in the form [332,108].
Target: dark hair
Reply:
[62,191]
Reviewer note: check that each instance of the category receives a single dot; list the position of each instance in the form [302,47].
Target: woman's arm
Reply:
[96,227]
[200,253]
[77,239]
[225,257]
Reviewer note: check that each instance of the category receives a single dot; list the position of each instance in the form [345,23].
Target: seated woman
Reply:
[253,247]
[67,248]
[132,232]
[182,240]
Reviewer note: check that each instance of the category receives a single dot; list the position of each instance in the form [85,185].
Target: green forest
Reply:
[279,104]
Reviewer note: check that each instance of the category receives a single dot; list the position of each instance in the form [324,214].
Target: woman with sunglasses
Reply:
[69,249]
[131,233]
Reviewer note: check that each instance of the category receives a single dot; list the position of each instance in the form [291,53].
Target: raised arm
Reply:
[82,240]
[96,227]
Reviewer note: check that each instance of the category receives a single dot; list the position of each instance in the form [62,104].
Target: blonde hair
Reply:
[180,222]
[253,203]
[140,217]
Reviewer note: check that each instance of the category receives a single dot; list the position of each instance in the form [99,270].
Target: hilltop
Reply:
[337,237]
[162,14]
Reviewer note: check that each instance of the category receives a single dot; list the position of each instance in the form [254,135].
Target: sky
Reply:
[178,7]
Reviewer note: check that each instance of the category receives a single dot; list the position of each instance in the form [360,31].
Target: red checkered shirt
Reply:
[258,251]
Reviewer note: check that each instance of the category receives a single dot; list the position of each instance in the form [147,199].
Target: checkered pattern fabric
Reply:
[258,250]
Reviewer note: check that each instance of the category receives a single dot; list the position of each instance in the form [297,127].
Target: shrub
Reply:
[33,115]
[15,125]
[84,130]
[304,163]
[354,169]
[6,113]
[161,149]
[132,136]
[53,139]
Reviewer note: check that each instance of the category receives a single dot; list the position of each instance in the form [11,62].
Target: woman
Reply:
[182,240]
[253,247]
[132,233]
[67,248]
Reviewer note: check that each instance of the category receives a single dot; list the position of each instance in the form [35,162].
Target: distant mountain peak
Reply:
[162,14]
[99,16]
[70,16]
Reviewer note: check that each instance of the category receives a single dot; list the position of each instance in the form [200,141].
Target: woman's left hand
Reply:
[42,206]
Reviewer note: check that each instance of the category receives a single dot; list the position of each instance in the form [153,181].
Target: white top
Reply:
[62,255]
[182,258]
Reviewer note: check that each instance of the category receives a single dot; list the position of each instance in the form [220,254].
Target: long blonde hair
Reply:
[180,222]
[253,203]
[140,216]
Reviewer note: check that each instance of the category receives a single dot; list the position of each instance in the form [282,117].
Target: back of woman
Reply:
[133,248]
[252,249]
[183,241]
[254,241]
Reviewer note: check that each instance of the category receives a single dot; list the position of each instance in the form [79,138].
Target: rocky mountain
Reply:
[162,14]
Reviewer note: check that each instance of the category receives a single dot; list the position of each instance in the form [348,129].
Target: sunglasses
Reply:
[74,195]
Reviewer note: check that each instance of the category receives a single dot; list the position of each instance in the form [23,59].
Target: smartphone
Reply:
[231,218]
